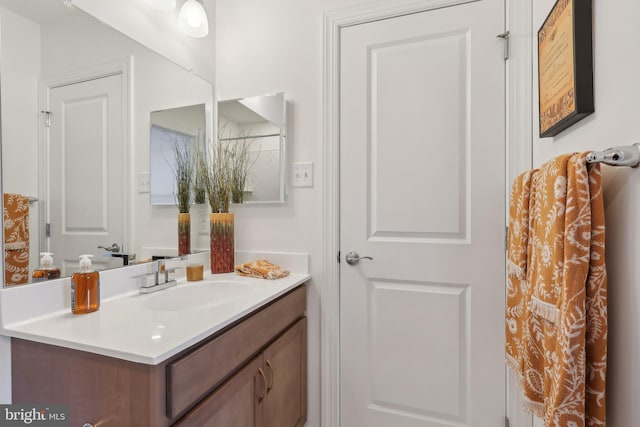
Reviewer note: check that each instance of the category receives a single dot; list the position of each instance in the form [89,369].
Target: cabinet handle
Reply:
[269,387]
[264,385]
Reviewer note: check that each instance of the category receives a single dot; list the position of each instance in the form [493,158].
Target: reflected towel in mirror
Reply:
[16,239]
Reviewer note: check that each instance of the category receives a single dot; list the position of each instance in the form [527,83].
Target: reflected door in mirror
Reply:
[87,171]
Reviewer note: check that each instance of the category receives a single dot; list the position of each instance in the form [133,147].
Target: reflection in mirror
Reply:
[75,133]
[184,126]
[260,122]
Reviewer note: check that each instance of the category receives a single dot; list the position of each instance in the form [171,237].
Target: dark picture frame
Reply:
[565,66]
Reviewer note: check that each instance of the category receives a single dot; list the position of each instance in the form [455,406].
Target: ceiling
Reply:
[41,11]
[238,113]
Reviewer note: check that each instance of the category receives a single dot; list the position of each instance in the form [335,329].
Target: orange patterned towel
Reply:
[261,269]
[16,239]
[518,239]
[565,317]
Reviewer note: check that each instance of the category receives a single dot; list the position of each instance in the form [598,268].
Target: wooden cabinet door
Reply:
[235,403]
[285,364]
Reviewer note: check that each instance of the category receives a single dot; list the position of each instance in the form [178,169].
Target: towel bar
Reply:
[628,155]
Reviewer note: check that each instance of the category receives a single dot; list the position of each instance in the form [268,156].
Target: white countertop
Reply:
[150,328]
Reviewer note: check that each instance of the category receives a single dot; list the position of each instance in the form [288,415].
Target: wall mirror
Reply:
[61,68]
[259,122]
[184,126]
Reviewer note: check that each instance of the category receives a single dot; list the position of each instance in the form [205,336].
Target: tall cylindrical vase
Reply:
[184,234]
[222,249]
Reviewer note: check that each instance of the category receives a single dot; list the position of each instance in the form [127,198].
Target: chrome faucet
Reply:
[159,277]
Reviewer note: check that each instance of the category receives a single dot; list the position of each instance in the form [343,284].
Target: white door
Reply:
[86,171]
[422,155]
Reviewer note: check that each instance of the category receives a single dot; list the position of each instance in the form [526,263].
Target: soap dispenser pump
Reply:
[47,270]
[85,288]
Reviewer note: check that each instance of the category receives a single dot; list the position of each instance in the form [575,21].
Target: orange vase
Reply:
[222,247]
[184,234]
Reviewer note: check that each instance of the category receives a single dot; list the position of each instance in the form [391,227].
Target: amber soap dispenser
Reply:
[46,271]
[85,288]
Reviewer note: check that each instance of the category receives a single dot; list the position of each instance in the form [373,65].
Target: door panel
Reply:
[422,148]
[407,76]
[397,338]
[87,173]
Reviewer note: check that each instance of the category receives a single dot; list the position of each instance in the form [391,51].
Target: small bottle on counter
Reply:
[85,288]
[47,270]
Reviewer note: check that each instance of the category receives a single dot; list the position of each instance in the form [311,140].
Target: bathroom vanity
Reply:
[242,369]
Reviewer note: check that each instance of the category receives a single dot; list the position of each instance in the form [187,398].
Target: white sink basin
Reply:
[202,295]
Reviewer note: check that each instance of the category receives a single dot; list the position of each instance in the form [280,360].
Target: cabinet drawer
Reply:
[233,404]
[194,375]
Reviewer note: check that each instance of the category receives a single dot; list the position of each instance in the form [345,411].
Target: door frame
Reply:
[520,135]
[122,66]
[329,290]
[519,154]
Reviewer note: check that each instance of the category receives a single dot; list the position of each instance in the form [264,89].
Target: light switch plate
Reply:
[204,225]
[302,175]
[144,182]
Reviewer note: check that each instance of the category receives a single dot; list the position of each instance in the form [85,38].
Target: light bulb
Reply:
[192,19]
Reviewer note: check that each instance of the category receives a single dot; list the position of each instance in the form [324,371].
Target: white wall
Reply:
[616,121]
[265,47]
[19,70]
[158,31]
[20,64]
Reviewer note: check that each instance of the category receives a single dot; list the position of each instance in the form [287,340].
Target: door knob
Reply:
[353,258]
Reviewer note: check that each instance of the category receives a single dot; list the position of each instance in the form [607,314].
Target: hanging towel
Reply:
[596,306]
[261,269]
[564,339]
[518,238]
[16,239]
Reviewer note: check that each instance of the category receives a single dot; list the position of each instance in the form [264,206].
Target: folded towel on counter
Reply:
[16,239]
[262,269]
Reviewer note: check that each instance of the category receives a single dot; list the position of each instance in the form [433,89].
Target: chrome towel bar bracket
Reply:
[628,155]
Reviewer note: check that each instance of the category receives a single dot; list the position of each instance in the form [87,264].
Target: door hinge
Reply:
[47,118]
[47,230]
[506,238]
[506,36]
[338,257]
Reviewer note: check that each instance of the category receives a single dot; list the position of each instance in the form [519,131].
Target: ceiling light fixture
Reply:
[163,5]
[192,19]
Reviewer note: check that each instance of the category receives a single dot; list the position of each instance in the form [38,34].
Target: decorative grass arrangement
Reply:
[216,177]
[199,185]
[184,171]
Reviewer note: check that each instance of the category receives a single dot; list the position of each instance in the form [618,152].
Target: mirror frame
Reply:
[282,173]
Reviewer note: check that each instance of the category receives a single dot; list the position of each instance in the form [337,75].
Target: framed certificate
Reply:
[565,66]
